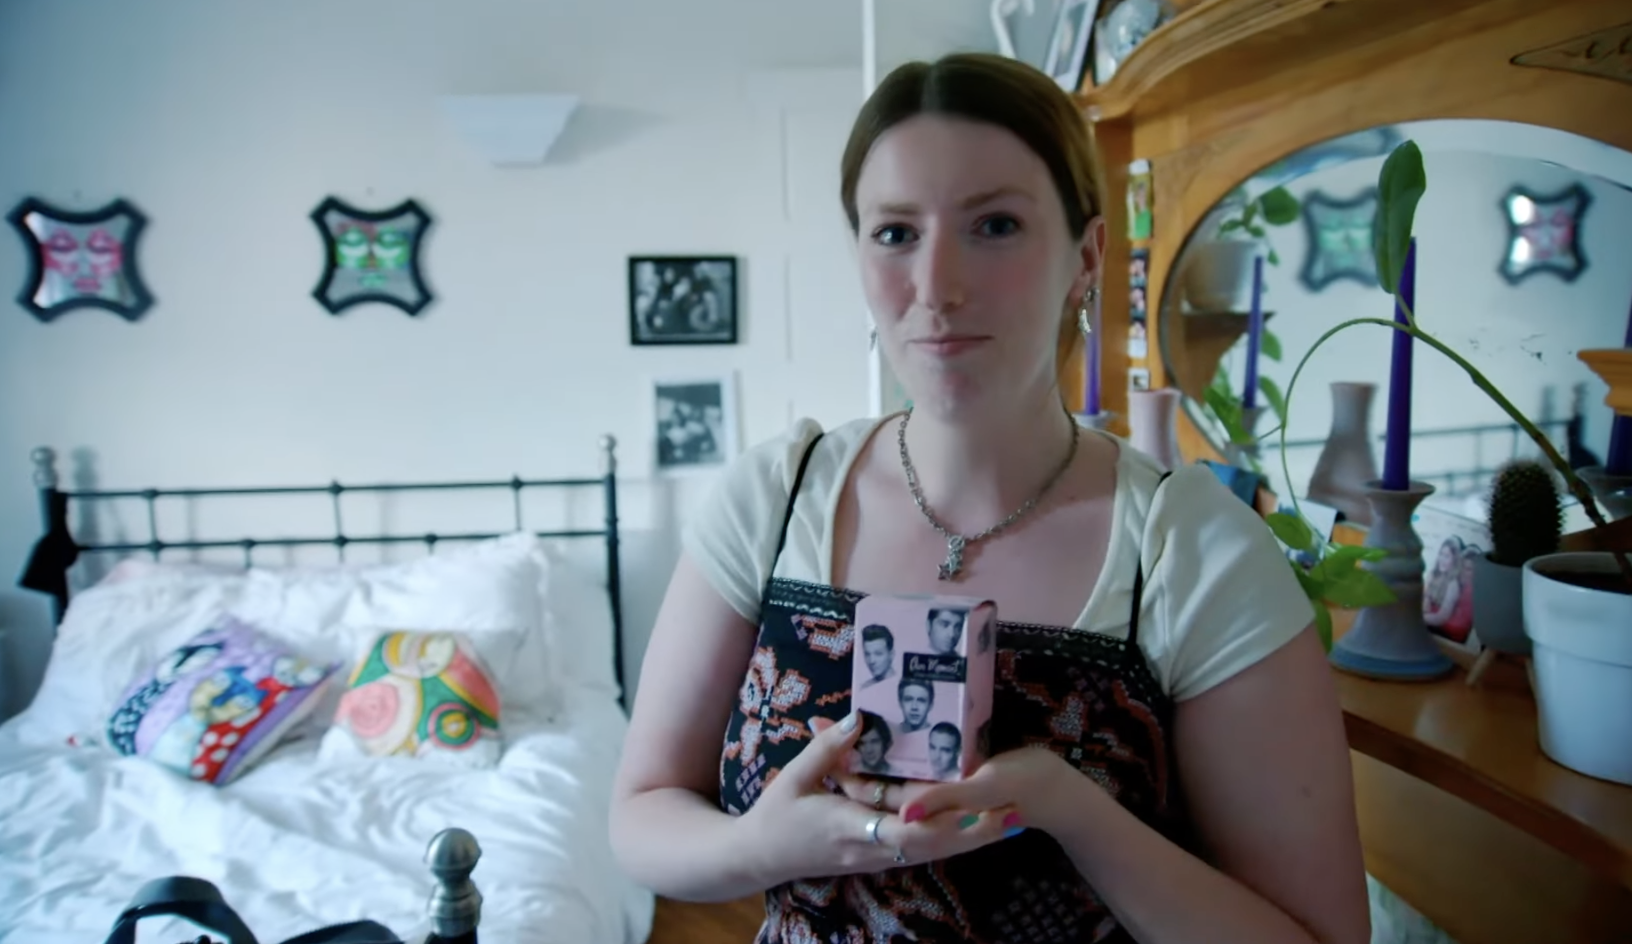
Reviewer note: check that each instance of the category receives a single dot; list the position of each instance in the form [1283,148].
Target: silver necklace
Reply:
[955,543]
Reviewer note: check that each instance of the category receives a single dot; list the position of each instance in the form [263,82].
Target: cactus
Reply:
[1526,513]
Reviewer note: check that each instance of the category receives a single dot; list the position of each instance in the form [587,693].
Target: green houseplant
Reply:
[1336,575]
[1218,268]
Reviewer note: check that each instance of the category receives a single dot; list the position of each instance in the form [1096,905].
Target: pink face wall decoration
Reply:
[81,260]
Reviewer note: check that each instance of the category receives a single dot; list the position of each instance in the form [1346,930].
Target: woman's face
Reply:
[965,260]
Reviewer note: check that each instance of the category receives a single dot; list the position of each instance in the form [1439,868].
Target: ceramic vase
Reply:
[1347,462]
[1391,641]
[1153,424]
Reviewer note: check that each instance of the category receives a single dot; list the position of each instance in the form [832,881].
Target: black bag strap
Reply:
[793,496]
[184,897]
[354,932]
[200,902]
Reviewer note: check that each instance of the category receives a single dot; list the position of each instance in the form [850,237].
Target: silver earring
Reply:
[872,339]
[1085,322]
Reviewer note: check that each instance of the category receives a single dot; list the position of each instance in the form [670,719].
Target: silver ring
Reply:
[878,795]
[872,830]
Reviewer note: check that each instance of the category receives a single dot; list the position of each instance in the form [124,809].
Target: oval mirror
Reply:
[1523,259]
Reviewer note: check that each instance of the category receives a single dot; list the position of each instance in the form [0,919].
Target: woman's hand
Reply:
[1032,783]
[801,829]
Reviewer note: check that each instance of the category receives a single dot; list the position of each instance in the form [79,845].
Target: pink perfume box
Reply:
[921,675]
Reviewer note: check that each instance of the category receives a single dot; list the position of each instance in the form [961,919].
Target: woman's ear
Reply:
[1092,252]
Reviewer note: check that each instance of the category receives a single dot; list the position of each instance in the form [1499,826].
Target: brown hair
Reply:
[999,91]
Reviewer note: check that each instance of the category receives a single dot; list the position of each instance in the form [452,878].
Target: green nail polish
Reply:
[968,821]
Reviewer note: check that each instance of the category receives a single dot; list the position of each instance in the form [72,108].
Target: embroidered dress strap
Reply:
[1139,576]
[793,495]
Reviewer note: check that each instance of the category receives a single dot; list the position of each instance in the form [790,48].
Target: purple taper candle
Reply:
[1091,395]
[1255,334]
[1397,445]
[1619,460]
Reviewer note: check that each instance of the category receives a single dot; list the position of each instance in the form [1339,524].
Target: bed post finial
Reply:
[45,467]
[609,455]
[455,906]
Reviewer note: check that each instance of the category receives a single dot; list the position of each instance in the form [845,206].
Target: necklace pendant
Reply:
[954,557]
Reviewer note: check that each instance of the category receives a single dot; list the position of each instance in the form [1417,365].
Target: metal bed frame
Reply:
[57,549]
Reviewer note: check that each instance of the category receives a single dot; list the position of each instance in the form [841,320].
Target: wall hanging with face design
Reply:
[1339,234]
[81,260]
[371,256]
[1543,233]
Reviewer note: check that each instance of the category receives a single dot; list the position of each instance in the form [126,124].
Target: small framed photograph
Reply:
[1139,378]
[1067,61]
[683,300]
[694,423]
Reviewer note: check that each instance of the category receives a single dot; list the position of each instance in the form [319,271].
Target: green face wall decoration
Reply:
[1339,239]
[371,256]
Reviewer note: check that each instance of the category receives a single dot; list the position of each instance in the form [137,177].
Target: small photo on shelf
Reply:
[1450,546]
[1138,379]
[1067,60]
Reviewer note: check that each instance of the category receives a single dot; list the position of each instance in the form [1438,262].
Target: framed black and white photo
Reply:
[683,300]
[694,423]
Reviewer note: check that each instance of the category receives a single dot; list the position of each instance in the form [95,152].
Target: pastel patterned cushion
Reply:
[419,694]
[210,708]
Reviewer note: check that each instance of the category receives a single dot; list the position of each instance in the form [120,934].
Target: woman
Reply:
[1152,638]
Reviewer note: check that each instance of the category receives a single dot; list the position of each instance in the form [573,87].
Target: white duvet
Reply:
[294,844]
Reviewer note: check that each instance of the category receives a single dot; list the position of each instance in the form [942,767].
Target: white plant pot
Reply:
[1581,640]
[1218,275]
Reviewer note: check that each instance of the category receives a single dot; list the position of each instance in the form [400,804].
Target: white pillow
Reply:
[488,591]
[109,635]
[118,628]
[578,619]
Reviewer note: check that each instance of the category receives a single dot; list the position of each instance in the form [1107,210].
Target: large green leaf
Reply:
[1356,587]
[1272,393]
[1269,345]
[1399,187]
[1323,625]
[1293,531]
[1280,207]
[1228,411]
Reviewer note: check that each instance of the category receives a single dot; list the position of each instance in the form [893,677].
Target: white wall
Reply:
[712,126]
[1524,337]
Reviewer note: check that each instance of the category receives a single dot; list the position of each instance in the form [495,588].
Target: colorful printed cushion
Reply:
[212,707]
[419,694]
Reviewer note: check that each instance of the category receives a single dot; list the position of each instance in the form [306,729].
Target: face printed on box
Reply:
[878,652]
[916,700]
[945,630]
[873,745]
[945,743]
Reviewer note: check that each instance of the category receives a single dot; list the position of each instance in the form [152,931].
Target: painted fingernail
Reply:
[1011,833]
[968,821]
[912,814]
[1011,821]
[851,720]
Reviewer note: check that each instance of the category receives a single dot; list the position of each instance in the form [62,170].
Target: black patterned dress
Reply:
[1090,698]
